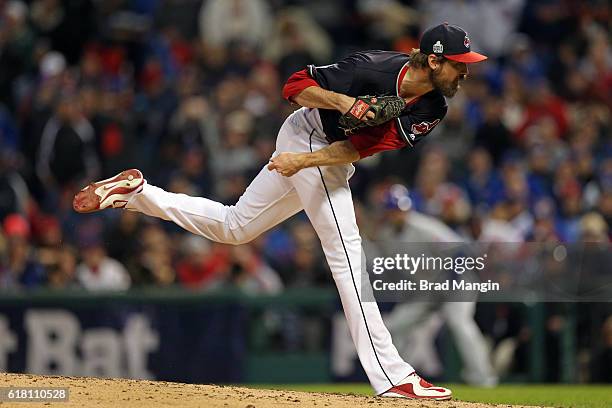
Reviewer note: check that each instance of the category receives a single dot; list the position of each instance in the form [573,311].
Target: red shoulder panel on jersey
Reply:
[296,83]
[376,139]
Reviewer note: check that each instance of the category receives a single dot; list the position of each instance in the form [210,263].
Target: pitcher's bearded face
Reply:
[446,77]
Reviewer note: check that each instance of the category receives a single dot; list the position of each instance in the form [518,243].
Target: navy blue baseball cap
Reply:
[449,41]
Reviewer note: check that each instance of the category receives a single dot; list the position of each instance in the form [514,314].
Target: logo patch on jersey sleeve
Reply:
[423,127]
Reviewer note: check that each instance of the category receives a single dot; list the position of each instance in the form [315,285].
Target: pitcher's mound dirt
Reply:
[95,392]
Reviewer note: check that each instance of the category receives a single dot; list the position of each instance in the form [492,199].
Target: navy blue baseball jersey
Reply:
[378,73]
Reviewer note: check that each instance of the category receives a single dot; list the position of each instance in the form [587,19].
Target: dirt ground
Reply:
[95,392]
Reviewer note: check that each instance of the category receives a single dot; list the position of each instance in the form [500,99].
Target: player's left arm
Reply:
[337,153]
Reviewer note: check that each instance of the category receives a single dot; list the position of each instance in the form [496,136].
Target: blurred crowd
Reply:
[188,91]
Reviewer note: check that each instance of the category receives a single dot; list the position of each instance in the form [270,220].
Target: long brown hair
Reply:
[418,59]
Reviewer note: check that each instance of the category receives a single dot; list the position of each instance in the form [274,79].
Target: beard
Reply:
[446,88]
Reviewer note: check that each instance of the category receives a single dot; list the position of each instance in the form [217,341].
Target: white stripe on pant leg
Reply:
[269,200]
[379,357]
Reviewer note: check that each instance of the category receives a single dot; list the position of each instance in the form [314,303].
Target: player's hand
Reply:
[370,114]
[347,104]
[287,164]
[370,110]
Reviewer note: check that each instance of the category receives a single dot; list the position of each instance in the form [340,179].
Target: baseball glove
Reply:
[384,108]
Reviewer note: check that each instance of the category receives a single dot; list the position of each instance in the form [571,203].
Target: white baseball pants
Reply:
[325,195]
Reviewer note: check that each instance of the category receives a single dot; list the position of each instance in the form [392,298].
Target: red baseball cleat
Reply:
[414,387]
[113,192]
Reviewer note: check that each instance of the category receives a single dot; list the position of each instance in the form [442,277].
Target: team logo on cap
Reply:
[466,42]
[438,48]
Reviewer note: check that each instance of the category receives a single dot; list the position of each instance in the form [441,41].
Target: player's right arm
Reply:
[340,152]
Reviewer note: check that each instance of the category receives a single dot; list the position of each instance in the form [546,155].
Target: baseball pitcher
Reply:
[367,103]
